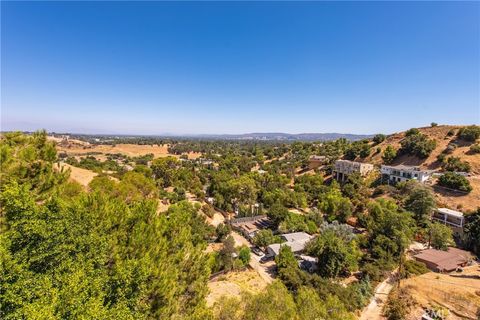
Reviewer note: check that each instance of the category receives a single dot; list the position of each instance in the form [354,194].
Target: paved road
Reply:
[375,308]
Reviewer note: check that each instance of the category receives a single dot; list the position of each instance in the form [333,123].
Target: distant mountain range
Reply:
[286,136]
[258,136]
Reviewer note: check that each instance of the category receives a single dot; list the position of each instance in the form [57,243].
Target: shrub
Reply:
[412,132]
[470,133]
[398,305]
[378,138]
[441,157]
[451,133]
[454,181]
[433,124]
[475,148]
[455,164]
[389,154]
[417,145]
[414,268]
[244,255]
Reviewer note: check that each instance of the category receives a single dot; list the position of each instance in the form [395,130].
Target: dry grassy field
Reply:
[234,283]
[80,175]
[79,148]
[457,292]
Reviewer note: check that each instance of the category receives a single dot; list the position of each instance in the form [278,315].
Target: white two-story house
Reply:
[395,174]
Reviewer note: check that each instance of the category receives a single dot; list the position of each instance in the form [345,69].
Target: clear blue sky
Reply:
[223,67]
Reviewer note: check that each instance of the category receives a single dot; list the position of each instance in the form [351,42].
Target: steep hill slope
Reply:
[440,134]
[450,199]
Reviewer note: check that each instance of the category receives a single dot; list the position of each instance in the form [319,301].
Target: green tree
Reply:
[469,133]
[455,164]
[454,181]
[417,144]
[310,306]
[222,230]
[379,138]
[440,236]
[389,154]
[275,303]
[335,255]
[244,255]
[390,230]
[472,231]
[335,206]
[278,213]
[227,253]
[264,238]
[421,203]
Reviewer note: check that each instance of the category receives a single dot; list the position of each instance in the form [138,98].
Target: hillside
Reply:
[440,133]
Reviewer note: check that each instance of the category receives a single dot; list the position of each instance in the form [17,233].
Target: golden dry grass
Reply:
[458,292]
[80,175]
[131,150]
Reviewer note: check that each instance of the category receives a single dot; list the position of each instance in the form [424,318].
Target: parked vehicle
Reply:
[257,251]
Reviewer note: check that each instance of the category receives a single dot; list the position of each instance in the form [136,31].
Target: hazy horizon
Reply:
[193,68]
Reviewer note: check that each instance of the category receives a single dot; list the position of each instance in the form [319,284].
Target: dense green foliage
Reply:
[455,164]
[440,236]
[335,254]
[109,252]
[379,138]
[472,231]
[421,203]
[417,144]
[454,181]
[475,148]
[389,154]
[470,133]
[77,255]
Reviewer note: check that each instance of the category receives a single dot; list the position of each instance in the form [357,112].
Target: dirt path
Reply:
[375,308]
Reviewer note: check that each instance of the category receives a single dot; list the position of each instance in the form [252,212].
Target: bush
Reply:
[208,210]
[475,148]
[389,154]
[398,305]
[455,164]
[414,268]
[378,138]
[412,132]
[417,145]
[244,255]
[433,124]
[441,157]
[470,133]
[454,181]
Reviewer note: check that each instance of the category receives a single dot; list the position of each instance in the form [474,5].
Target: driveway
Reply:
[374,310]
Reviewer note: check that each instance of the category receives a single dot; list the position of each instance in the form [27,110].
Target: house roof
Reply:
[295,246]
[445,260]
[296,236]
[450,212]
